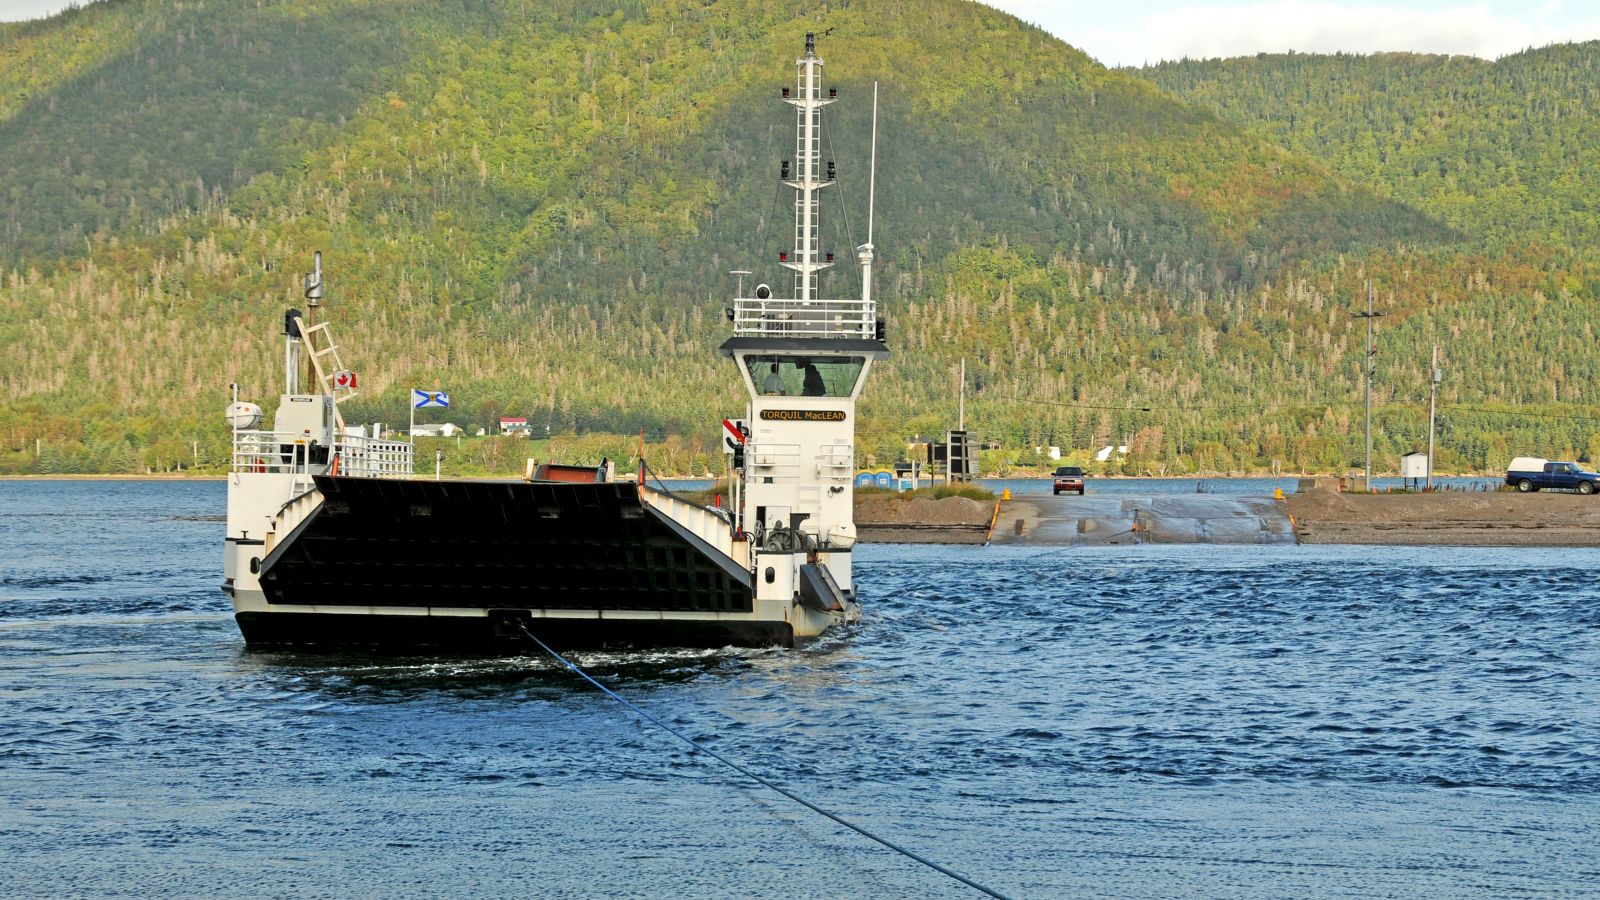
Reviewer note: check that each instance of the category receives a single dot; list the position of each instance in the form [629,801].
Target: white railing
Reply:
[771,460]
[713,527]
[836,463]
[361,457]
[284,452]
[290,515]
[814,319]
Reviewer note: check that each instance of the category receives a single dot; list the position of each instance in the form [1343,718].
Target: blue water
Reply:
[1130,721]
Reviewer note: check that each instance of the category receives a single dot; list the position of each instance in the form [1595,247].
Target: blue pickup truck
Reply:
[1531,473]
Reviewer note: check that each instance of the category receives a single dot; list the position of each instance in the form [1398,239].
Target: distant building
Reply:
[514,426]
[1104,453]
[447,429]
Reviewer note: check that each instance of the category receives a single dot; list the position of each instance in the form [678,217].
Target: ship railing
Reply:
[806,319]
[772,460]
[291,514]
[836,463]
[714,526]
[294,453]
[364,457]
[275,452]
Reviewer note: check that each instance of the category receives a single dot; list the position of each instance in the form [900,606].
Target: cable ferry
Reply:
[333,540]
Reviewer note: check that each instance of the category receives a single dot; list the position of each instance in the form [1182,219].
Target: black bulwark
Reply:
[875,349]
[478,545]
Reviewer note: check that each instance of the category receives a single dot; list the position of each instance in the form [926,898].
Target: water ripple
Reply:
[1106,721]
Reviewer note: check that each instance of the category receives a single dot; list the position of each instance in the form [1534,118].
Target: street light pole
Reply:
[1372,350]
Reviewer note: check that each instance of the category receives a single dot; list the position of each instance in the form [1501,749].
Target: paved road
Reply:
[1143,519]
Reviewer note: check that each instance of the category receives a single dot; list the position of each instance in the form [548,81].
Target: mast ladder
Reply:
[328,350]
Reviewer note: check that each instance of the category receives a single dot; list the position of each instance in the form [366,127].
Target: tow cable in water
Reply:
[751,775]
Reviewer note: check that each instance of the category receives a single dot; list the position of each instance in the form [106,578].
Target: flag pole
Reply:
[411,433]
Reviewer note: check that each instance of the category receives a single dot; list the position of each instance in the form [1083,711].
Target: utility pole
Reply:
[1372,351]
[1433,397]
[961,399]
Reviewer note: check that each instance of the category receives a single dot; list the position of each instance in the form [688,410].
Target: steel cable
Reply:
[751,775]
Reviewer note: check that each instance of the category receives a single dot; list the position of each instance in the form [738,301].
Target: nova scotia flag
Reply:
[425,399]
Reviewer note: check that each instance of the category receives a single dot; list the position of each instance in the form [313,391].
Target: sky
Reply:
[1134,32]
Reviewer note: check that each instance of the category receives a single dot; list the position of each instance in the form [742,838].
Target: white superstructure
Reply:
[804,360]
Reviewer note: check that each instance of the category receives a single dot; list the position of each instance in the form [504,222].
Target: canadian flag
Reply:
[345,380]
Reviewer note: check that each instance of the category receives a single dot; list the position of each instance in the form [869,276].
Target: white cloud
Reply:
[1126,36]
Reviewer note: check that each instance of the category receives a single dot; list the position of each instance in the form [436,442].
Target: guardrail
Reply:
[836,463]
[714,526]
[772,460]
[292,453]
[815,318]
[361,457]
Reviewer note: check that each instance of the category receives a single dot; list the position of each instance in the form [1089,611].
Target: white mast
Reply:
[808,178]
[864,252]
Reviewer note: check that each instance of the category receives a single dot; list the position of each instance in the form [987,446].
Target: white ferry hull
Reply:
[267,626]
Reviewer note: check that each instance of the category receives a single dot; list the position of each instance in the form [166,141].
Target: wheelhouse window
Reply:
[782,375]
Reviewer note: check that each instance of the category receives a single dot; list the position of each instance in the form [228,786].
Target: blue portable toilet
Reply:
[865,479]
[883,479]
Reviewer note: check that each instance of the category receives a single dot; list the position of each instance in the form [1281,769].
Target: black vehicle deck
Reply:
[478,544]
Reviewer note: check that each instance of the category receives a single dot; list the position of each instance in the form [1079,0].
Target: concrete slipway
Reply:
[1133,519]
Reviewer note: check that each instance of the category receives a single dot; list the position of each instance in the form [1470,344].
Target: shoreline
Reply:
[1442,519]
[219,476]
[1320,516]
[1456,519]
[78,476]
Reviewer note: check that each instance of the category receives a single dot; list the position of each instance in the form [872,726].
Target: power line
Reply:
[1310,404]
[844,213]
[1523,413]
[1156,407]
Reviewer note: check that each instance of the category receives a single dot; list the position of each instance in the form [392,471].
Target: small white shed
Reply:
[1414,465]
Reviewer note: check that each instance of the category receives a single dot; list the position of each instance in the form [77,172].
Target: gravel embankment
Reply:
[893,520]
[1467,519]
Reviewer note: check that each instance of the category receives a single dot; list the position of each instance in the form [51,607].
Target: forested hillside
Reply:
[1503,150]
[534,205]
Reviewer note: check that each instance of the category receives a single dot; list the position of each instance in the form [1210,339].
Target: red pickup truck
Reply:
[1068,478]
